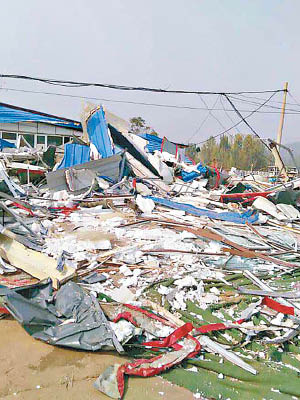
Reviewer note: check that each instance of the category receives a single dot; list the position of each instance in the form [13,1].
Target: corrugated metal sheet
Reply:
[105,167]
[74,154]
[13,114]
[155,142]
[98,132]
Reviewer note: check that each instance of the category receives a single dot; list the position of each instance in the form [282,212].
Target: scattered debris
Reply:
[127,247]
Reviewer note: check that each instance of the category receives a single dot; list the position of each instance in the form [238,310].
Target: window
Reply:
[29,139]
[10,137]
[55,140]
[67,139]
[41,139]
[41,142]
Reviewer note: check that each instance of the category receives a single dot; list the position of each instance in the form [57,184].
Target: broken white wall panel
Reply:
[36,264]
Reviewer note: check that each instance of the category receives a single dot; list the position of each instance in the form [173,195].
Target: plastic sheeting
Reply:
[12,114]
[72,319]
[75,154]
[98,133]
[248,216]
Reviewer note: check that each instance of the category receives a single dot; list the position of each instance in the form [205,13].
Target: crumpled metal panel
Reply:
[72,319]
[98,132]
[56,180]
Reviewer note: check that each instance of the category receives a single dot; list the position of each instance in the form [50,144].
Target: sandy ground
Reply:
[30,369]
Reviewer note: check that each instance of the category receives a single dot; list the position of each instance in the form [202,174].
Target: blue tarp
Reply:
[5,143]
[98,133]
[75,154]
[247,216]
[10,114]
[190,176]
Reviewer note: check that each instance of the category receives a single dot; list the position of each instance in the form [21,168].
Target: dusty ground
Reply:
[32,370]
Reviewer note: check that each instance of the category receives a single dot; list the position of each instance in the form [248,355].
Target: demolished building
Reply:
[129,247]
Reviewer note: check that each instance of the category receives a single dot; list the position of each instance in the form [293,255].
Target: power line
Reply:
[227,95]
[297,102]
[137,102]
[211,113]
[246,122]
[66,83]
[204,120]
[239,122]
[272,101]
[256,103]
[228,115]
[105,99]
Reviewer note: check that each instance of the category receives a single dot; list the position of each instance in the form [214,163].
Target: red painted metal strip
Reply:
[150,315]
[23,208]
[127,316]
[277,306]
[243,195]
[170,340]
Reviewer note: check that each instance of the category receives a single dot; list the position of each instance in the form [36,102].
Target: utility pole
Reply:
[279,133]
[275,148]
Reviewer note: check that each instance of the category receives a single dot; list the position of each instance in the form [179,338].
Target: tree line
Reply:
[244,152]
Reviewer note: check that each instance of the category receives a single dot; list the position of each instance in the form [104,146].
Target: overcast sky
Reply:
[213,45]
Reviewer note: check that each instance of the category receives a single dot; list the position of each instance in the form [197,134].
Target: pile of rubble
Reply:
[191,272]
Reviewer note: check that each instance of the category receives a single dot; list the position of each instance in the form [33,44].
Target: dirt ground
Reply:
[33,370]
